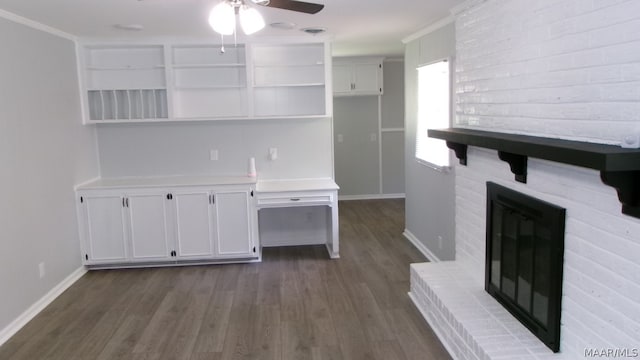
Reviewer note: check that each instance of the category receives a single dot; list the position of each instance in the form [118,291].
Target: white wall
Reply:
[565,69]
[159,149]
[429,193]
[44,152]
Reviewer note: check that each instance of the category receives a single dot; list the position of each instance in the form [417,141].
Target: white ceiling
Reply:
[357,27]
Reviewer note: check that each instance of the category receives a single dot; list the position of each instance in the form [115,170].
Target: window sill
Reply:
[439,168]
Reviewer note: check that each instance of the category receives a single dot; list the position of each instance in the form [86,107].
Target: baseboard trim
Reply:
[38,306]
[420,246]
[370,197]
[433,326]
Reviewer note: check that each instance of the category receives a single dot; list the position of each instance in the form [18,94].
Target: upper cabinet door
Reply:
[357,76]
[148,227]
[367,78]
[342,78]
[195,229]
[233,220]
[105,240]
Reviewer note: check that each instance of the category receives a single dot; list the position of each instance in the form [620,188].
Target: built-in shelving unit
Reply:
[208,82]
[619,167]
[289,79]
[178,82]
[125,82]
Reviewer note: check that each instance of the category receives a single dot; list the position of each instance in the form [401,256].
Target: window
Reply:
[433,113]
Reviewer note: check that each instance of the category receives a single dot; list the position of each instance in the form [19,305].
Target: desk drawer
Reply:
[293,200]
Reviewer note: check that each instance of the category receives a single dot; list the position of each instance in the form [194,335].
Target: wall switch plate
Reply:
[41,270]
[373,137]
[273,153]
[213,155]
[340,138]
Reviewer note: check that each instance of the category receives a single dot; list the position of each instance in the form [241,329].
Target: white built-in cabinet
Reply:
[129,226]
[175,82]
[357,76]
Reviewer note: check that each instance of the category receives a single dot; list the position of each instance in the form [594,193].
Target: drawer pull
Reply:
[295,199]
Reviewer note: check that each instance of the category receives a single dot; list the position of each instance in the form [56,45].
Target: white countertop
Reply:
[266,186]
[167,181]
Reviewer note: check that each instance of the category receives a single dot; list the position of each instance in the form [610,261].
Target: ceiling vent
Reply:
[314,30]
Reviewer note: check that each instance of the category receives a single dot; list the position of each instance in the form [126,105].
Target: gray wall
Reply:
[357,164]
[430,194]
[393,118]
[304,148]
[359,160]
[44,152]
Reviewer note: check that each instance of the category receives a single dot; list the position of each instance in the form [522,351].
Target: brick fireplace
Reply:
[559,69]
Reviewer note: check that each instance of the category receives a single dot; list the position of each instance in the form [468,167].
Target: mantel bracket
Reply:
[626,184]
[518,164]
[460,150]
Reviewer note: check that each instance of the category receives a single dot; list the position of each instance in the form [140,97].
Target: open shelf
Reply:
[619,167]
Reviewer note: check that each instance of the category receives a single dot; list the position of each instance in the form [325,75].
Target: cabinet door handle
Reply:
[122,202]
[127,201]
[295,199]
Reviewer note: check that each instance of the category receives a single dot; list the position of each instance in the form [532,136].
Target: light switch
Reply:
[213,155]
[273,153]
[373,137]
[340,138]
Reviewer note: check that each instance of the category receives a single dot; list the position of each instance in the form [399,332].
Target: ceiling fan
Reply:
[222,16]
[299,6]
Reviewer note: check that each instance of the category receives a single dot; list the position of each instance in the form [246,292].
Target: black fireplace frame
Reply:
[547,214]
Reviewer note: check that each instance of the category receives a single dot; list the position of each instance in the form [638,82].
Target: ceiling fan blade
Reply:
[299,6]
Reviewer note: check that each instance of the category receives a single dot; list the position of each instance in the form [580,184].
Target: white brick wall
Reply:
[568,69]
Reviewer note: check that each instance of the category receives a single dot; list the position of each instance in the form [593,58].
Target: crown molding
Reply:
[36,25]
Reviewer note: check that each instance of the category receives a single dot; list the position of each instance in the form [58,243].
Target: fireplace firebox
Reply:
[524,259]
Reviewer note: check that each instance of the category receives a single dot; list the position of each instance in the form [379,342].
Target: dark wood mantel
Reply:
[619,167]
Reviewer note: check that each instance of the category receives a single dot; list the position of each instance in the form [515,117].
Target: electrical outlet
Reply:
[213,155]
[273,153]
[440,242]
[41,270]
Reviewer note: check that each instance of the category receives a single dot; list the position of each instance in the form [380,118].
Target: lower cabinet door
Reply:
[148,227]
[104,227]
[233,224]
[194,227]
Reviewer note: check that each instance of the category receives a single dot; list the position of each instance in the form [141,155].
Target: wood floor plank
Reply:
[296,304]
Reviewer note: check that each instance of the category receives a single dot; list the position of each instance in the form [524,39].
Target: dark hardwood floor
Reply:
[296,304]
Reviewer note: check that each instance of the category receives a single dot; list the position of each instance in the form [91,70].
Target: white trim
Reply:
[36,25]
[370,197]
[434,326]
[394,59]
[420,246]
[429,29]
[380,180]
[392,130]
[38,306]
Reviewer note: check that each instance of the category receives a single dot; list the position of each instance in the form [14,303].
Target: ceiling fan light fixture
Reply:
[250,20]
[222,18]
